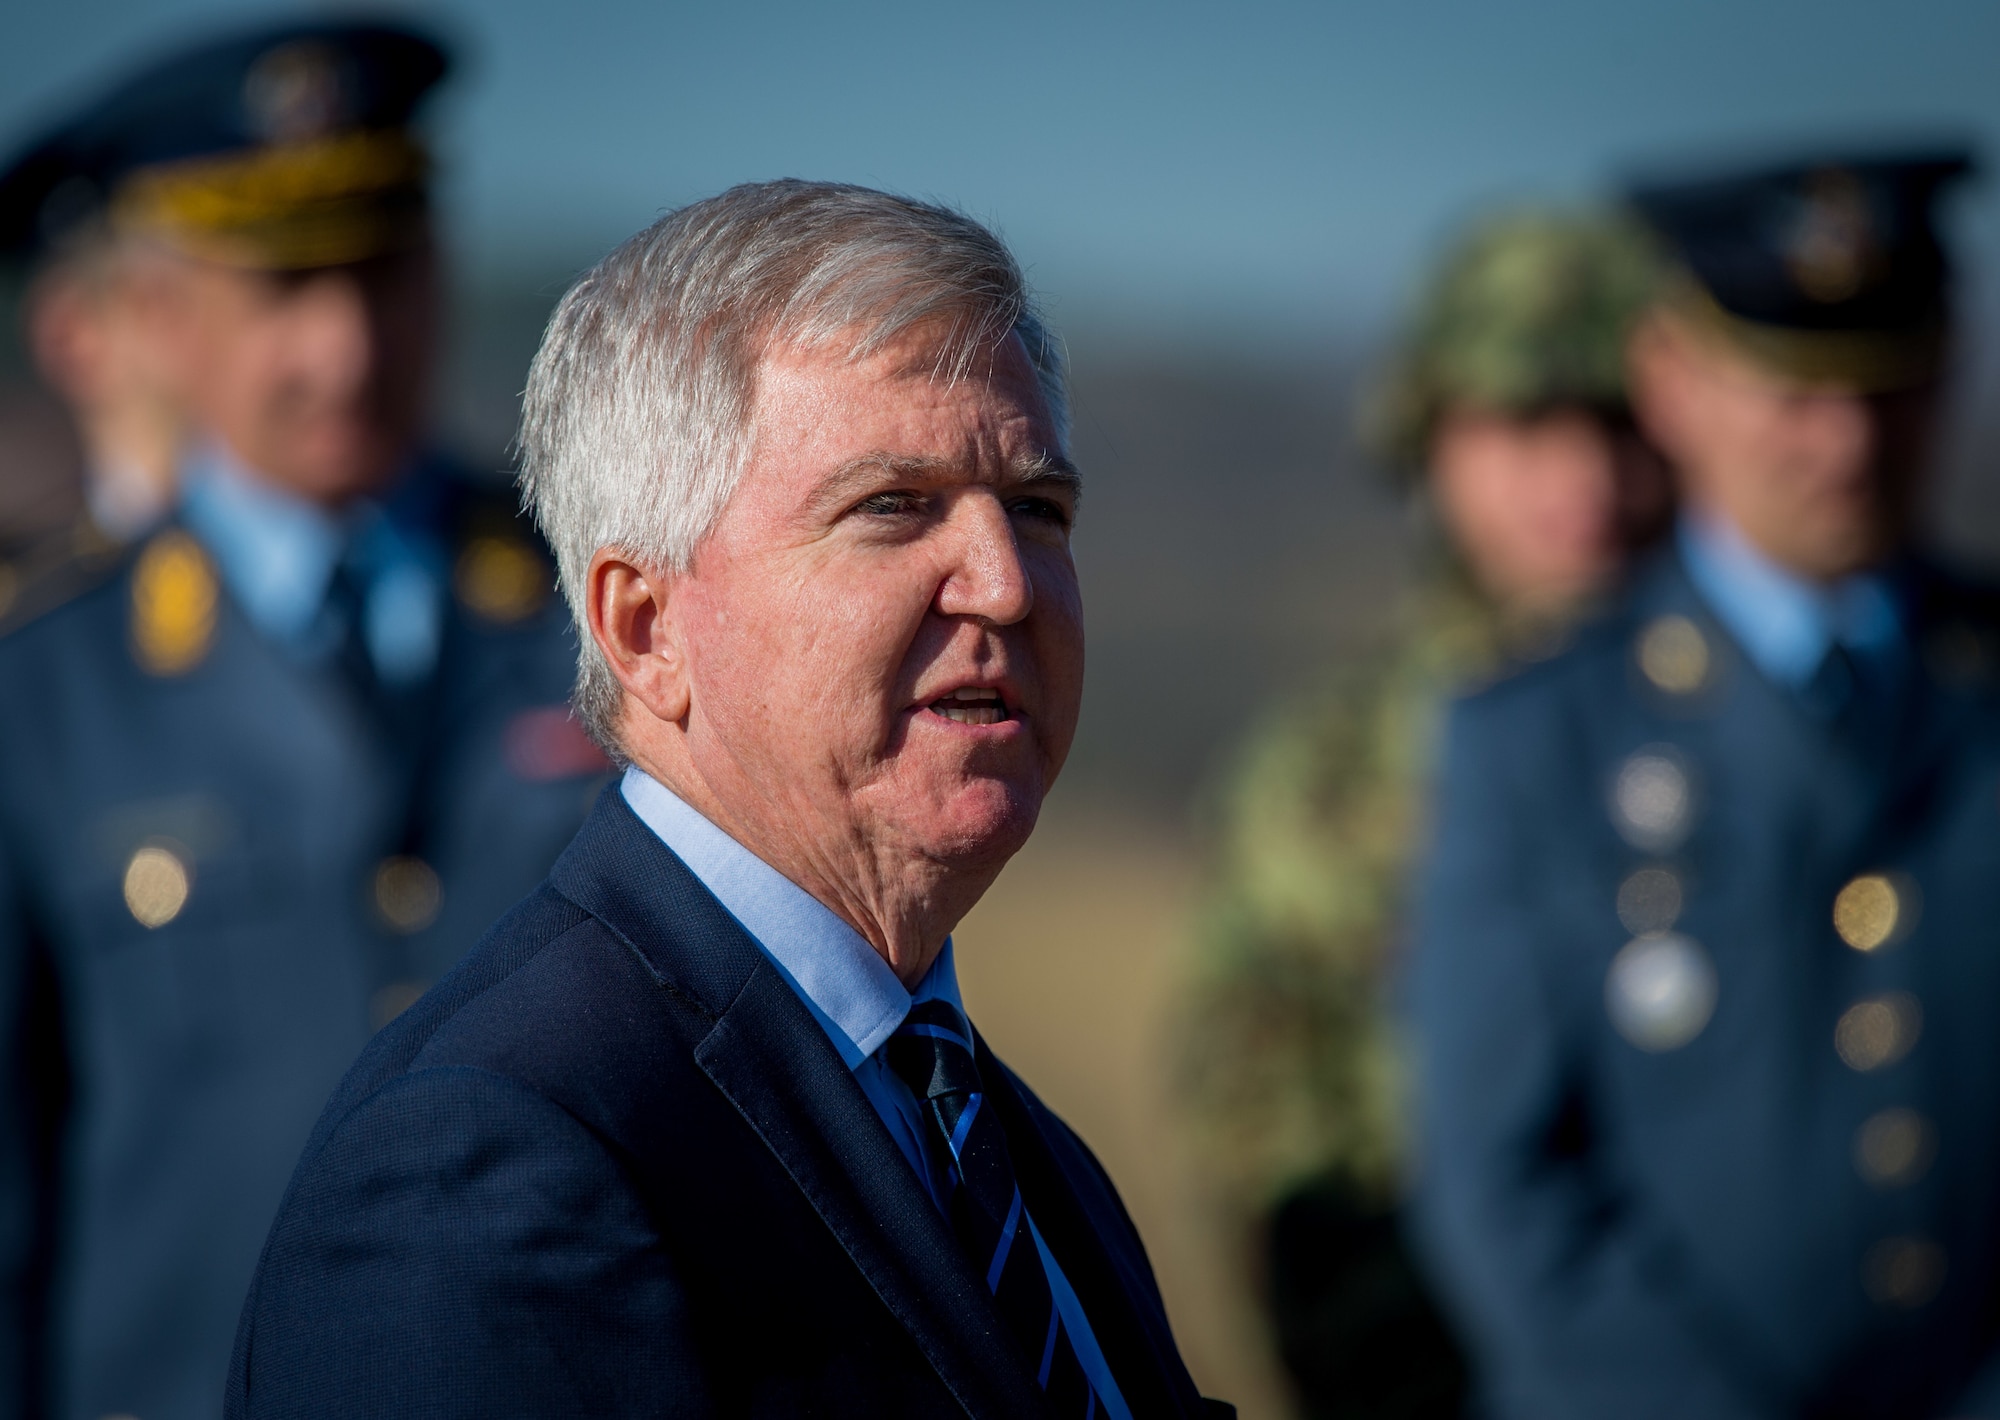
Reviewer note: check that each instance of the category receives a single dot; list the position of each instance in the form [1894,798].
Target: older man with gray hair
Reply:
[701,1128]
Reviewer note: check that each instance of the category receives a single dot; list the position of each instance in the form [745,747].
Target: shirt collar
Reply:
[276,552]
[843,981]
[1785,623]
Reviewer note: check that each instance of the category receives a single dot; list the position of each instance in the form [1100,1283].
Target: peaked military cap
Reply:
[282,147]
[1527,311]
[1827,269]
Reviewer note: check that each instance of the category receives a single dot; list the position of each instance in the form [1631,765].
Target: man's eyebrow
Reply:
[1048,468]
[868,468]
[1044,468]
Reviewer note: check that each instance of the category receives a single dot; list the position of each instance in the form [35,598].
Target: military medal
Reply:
[1660,991]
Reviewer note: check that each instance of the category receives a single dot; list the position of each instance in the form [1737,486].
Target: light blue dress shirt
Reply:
[1785,623]
[277,554]
[851,992]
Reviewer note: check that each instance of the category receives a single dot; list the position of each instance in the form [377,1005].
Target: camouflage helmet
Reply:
[1527,310]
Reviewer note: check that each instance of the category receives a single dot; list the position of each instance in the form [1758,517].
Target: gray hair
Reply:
[635,426]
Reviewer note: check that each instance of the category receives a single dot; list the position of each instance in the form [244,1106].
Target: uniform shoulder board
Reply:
[175,591]
[54,570]
[501,569]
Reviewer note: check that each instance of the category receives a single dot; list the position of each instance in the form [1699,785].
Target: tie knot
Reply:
[931,1051]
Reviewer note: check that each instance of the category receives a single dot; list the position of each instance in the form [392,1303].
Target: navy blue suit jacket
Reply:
[612,1166]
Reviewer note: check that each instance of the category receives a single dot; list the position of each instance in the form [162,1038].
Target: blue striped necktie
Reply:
[932,1053]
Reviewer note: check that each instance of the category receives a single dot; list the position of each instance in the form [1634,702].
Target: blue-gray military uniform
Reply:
[224,861]
[265,772]
[1705,988]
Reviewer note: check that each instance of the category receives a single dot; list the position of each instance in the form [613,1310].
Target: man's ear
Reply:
[632,621]
[59,337]
[1656,376]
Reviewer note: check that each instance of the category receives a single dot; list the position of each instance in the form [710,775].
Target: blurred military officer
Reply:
[1504,411]
[1705,979]
[272,767]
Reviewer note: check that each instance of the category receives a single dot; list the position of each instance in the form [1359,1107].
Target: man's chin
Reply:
[1840,548]
[981,820]
[333,469]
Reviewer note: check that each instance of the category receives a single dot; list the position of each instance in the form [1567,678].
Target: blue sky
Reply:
[1259,167]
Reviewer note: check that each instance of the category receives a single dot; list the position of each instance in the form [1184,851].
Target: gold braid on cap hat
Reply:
[1869,361]
[321,202]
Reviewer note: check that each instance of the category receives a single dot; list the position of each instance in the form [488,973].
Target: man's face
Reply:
[883,633]
[1544,509]
[318,379]
[1823,480]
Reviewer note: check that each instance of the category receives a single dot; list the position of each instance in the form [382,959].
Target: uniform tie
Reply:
[390,703]
[347,602]
[1858,689]
[932,1053]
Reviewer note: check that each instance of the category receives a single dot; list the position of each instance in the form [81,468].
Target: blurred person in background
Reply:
[89,333]
[272,767]
[87,328]
[1505,412]
[1704,980]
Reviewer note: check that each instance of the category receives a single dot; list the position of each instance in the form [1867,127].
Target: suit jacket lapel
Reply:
[771,1059]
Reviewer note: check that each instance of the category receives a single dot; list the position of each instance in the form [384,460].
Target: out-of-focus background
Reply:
[1224,209]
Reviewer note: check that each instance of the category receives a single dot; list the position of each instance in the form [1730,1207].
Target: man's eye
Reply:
[895,503]
[1042,509]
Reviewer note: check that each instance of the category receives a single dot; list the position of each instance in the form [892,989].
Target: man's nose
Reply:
[334,334]
[987,577]
[1846,427]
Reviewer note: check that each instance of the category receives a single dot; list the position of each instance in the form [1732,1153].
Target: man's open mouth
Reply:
[972,705]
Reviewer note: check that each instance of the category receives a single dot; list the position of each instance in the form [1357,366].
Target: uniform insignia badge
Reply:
[1652,800]
[294,93]
[1832,251]
[501,579]
[1660,991]
[1673,655]
[546,743]
[173,605]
